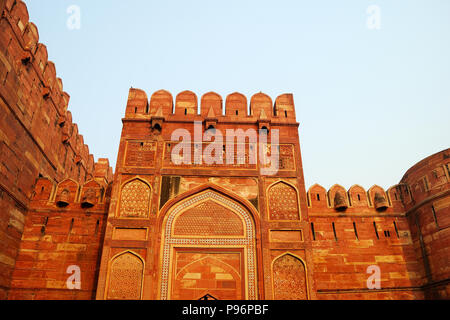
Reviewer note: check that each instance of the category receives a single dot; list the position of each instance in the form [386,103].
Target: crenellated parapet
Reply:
[38,139]
[356,200]
[35,95]
[70,194]
[66,221]
[188,107]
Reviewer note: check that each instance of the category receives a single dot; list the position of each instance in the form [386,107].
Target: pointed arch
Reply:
[261,101]
[337,189]
[236,102]
[289,278]
[44,189]
[358,196]
[135,199]
[125,277]
[283,201]
[211,100]
[374,191]
[229,267]
[161,99]
[68,185]
[93,189]
[186,102]
[213,187]
[317,197]
[170,243]
[205,268]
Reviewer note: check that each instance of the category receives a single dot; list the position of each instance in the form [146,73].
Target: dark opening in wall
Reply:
[170,186]
[396,230]
[157,127]
[356,231]
[97,227]
[334,231]
[318,197]
[44,226]
[211,130]
[71,225]
[285,114]
[185,111]
[264,130]
[359,197]
[434,216]
[425,183]
[387,234]
[313,232]
[376,231]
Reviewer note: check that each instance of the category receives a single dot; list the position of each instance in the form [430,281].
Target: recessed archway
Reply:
[188,239]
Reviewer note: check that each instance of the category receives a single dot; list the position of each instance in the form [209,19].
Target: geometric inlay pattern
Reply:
[247,241]
[284,153]
[283,202]
[140,154]
[287,160]
[135,200]
[242,156]
[289,279]
[125,278]
[208,219]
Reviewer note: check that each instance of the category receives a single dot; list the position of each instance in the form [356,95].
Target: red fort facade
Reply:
[171,225]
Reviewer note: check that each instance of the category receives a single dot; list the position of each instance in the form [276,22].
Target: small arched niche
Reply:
[125,277]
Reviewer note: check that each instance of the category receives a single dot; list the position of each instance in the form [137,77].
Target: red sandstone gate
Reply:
[208,247]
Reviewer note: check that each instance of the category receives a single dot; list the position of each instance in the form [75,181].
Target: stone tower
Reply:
[207,202]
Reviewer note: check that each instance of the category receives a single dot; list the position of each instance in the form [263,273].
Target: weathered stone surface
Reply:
[224,229]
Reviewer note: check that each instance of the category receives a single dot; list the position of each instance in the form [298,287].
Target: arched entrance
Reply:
[208,248]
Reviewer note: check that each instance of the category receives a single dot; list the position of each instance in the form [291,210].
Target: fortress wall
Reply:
[64,227]
[353,230]
[426,194]
[37,136]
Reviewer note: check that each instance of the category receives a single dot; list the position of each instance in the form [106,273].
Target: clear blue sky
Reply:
[371,103]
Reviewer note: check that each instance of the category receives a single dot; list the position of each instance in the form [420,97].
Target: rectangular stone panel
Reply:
[130,234]
[140,154]
[286,236]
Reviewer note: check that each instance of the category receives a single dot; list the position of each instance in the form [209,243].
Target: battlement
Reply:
[32,90]
[236,108]
[356,200]
[38,139]
[69,194]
